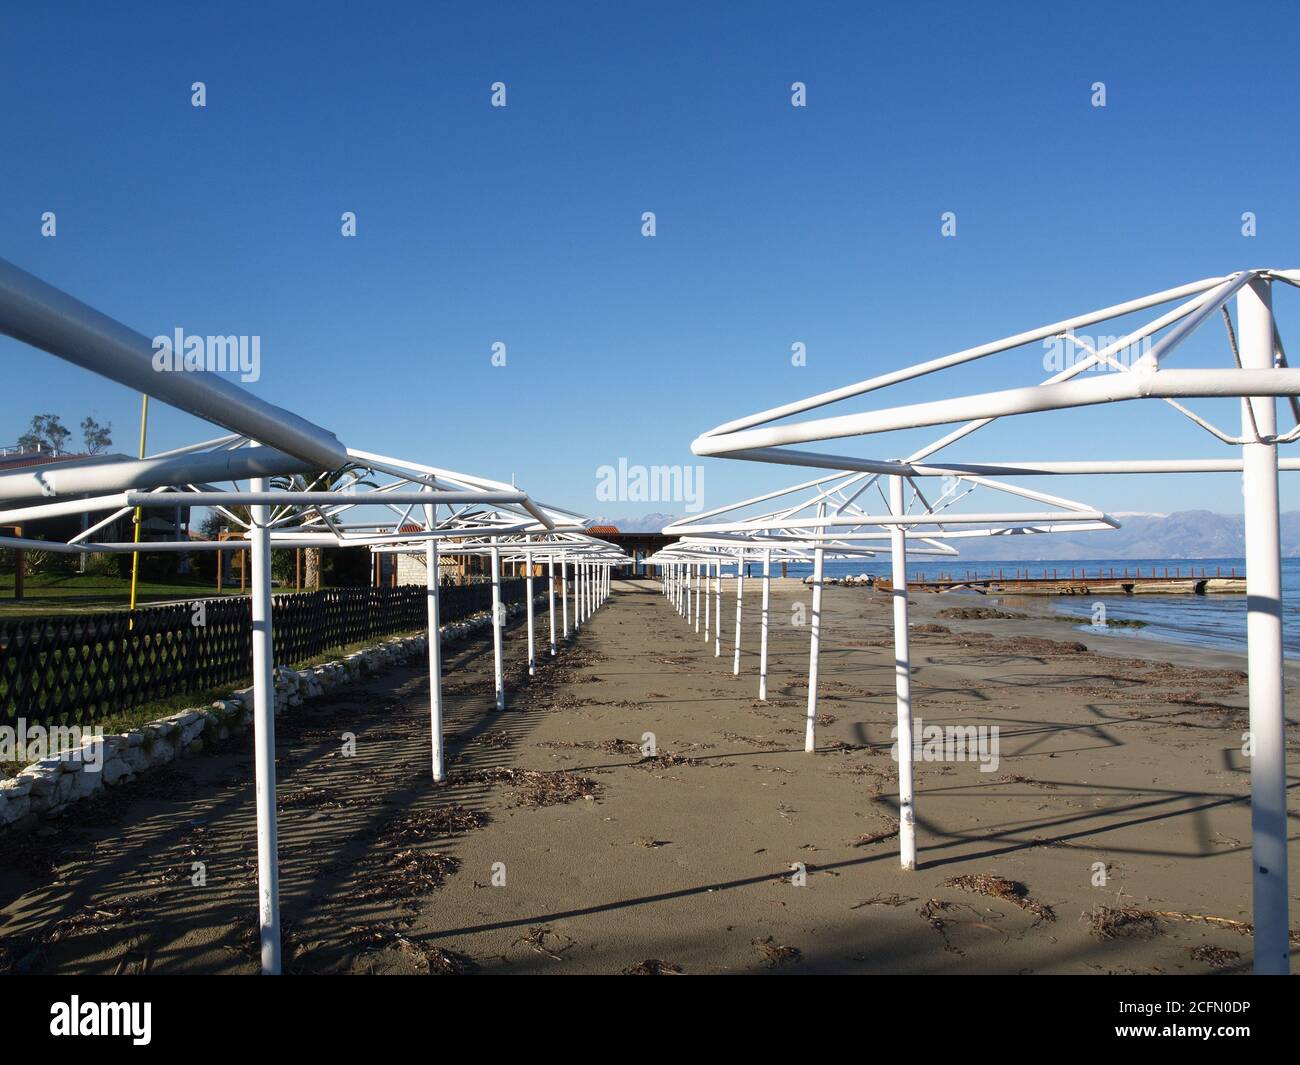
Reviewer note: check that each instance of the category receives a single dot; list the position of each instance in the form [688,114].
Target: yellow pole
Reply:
[135,555]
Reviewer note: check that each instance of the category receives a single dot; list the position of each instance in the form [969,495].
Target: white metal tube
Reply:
[902,681]
[695,575]
[814,650]
[435,651]
[268,858]
[717,628]
[497,624]
[564,596]
[740,588]
[1264,636]
[1006,343]
[550,592]
[1108,388]
[532,646]
[92,477]
[708,604]
[762,653]
[41,315]
[135,498]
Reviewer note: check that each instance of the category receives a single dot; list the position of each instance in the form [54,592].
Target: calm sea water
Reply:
[1202,620]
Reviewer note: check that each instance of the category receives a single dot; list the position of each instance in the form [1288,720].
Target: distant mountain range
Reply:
[1183,534]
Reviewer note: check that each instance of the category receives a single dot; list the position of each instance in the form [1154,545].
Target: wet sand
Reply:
[1114,754]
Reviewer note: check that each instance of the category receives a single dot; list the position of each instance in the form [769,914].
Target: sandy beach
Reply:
[557,846]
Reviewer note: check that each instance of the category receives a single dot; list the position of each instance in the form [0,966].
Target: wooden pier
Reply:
[1082,581]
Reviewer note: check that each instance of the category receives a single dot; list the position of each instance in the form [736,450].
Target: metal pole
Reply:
[532,647]
[718,610]
[435,647]
[564,595]
[814,647]
[740,588]
[708,603]
[550,591]
[1268,814]
[762,653]
[268,860]
[902,680]
[695,575]
[496,628]
[135,555]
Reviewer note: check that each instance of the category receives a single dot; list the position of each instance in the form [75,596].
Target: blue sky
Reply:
[522,224]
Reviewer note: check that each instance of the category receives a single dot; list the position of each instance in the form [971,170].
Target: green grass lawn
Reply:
[74,593]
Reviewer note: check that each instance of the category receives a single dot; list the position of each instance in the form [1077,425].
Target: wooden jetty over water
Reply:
[1134,580]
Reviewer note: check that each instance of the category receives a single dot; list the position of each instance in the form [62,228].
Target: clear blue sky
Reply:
[522,224]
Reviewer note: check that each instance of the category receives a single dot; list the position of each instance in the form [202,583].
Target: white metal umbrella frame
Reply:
[827,515]
[1259,373]
[361,499]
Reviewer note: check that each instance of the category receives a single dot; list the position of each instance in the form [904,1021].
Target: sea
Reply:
[1217,621]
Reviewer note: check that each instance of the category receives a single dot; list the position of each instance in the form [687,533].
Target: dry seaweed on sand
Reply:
[868,838]
[775,953]
[98,918]
[1016,778]
[570,702]
[615,746]
[1244,928]
[669,760]
[406,874]
[932,913]
[1112,922]
[1219,957]
[884,900]
[446,962]
[535,788]
[999,887]
[413,826]
[1123,922]
[547,941]
[653,967]
[753,741]
[433,960]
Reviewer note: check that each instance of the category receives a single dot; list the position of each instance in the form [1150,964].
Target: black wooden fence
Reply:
[79,667]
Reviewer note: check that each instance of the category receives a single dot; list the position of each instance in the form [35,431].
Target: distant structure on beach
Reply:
[638,545]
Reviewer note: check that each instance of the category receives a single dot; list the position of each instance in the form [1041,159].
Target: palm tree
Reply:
[319,482]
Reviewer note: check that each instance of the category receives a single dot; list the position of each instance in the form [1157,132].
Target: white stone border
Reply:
[46,789]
